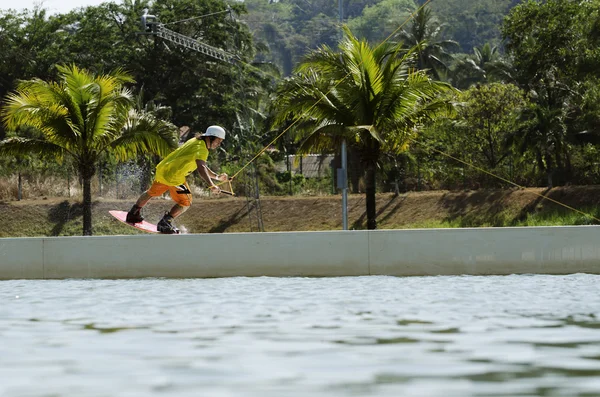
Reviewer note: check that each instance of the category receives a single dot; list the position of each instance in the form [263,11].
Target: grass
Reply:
[552,217]
[558,217]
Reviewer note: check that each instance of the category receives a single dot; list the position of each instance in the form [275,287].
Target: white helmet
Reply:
[215,130]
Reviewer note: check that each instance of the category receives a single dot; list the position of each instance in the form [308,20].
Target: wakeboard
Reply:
[143,225]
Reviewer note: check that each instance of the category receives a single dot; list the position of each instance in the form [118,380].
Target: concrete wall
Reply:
[547,250]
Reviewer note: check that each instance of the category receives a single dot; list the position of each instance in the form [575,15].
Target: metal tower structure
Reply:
[151,26]
[253,200]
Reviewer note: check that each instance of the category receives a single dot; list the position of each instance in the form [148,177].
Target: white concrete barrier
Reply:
[21,258]
[510,250]
[548,250]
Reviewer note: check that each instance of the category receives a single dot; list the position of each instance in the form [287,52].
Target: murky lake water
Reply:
[527,335]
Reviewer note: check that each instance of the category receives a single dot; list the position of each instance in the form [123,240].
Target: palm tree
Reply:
[82,116]
[484,65]
[432,52]
[372,97]
[543,133]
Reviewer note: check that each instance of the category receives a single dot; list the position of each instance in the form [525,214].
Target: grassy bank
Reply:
[482,208]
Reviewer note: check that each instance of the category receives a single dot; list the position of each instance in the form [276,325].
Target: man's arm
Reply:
[207,174]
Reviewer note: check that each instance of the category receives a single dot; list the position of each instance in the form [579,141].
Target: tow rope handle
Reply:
[230,191]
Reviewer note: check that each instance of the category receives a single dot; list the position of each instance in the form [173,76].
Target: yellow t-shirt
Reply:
[173,169]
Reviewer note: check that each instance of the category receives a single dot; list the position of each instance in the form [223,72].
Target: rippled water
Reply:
[529,335]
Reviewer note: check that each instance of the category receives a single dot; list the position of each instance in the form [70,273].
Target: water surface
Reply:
[525,335]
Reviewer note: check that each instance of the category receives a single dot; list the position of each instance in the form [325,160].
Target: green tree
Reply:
[554,36]
[382,19]
[29,47]
[371,97]
[544,134]
[554,46]
[483,124]
[425,35]
[82,116]
[472,23]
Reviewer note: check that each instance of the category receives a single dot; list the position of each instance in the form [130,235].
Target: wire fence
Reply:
[288,175]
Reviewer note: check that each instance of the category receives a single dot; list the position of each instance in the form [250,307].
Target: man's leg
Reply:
[143,200]
[183,200]
[134,215]
[182,196]
[177,210]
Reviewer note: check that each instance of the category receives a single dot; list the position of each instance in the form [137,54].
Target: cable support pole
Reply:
[343,172]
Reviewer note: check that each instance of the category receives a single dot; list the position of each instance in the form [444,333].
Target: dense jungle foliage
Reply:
[524,74]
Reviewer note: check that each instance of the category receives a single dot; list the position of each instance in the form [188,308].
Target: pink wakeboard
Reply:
[143,225]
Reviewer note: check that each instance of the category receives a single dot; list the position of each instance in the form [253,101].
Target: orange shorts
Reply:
[181,194]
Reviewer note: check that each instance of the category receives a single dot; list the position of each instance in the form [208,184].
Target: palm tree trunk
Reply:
[550,172]
[370,196]
[86,173]
[19,187]
[87,206]
[100,180]
[355,170]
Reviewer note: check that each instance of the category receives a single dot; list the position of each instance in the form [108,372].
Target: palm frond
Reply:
[143,133]
[17,146]
[34,106]
[325,138]
[380,101]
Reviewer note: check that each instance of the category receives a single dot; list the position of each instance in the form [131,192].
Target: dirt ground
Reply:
[59,216]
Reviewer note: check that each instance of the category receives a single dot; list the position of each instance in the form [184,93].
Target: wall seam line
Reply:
[43,259]
[369,251]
